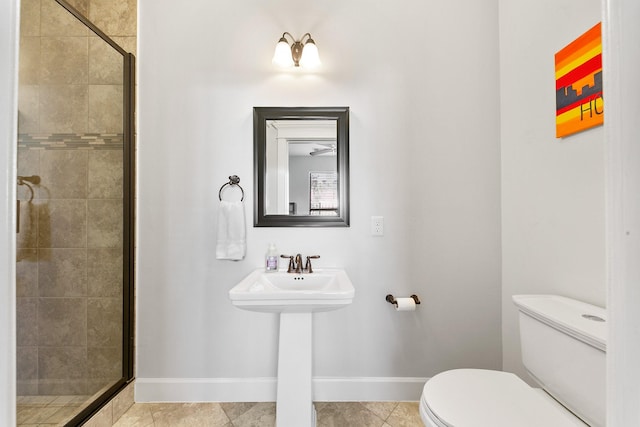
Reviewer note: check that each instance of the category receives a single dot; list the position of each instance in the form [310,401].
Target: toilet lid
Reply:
[476,397]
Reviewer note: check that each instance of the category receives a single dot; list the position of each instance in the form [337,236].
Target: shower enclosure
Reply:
[74,271]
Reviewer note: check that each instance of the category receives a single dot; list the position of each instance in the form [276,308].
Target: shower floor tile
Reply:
[47,410]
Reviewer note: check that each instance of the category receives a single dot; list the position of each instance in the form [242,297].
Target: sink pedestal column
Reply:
[294,405]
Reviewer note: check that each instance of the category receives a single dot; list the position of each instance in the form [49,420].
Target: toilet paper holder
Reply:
[391,299]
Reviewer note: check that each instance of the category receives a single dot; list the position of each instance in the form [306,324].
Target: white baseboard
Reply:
[368,389]
[325,389]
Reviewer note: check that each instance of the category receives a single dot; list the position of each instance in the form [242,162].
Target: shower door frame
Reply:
[128,217]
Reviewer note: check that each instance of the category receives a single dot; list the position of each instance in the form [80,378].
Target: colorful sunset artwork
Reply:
[579,103]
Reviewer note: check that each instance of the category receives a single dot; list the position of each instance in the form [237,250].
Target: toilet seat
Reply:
[477,398]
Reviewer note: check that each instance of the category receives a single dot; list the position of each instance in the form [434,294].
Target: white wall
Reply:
[553,230]
[421,79]
[8,132]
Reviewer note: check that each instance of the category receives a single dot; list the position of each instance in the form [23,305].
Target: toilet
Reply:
[563,344]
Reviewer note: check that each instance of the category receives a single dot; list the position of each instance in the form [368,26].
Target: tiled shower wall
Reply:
[69,260]
[70,80]
[69,271]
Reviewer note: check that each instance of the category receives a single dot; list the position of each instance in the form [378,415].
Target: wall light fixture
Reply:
[300,53]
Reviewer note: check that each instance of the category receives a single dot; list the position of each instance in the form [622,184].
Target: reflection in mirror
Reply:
[301,172]
[301,157]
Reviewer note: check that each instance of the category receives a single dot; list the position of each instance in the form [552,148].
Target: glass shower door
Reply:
[74,256]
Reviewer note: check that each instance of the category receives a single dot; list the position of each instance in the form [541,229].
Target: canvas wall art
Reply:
[579,102]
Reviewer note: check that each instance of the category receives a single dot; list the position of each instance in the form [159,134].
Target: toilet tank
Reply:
[563,345]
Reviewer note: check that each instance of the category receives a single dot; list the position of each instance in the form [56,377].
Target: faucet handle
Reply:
[291,267]
[308,264]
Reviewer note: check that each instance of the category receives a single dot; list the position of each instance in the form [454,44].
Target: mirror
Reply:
[301,166]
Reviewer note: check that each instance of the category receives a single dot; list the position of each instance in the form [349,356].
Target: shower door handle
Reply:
[17,216]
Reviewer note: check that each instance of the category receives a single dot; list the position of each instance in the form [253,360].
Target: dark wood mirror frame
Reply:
[260,117]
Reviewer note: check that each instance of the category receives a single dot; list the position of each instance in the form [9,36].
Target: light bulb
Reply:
[282,55]
[310,57]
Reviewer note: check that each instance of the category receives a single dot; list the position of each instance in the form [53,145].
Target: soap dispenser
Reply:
[271,258]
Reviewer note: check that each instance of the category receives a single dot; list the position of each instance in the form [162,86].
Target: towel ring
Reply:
[233,180]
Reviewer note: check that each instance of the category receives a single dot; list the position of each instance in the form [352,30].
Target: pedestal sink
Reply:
[295,297]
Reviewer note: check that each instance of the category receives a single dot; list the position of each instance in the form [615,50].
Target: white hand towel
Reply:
[231,231]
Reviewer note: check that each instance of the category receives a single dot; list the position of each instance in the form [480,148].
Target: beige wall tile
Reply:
[104,322]
[63,174]
[52,387]
[28,164]
[105,109]
[98,385]
[105,363]
[81,6]
[62,322]
[64,108]
[62,362]
[105,174]
[27,370]
[62,272]
[27,359]
[62,370]
[29,67]
[103,418]
[62,224]
[64,60]
[57,21]
[29,18]
[114,17]
[105,63]
[27,329]
[123,401]
[27,273]
[28,109]
[129,44]
[104,272]
[104,223]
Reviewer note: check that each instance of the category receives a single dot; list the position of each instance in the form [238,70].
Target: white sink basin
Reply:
[282,292]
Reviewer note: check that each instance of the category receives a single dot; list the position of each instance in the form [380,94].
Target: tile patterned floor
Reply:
[330,414]
[47,411]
